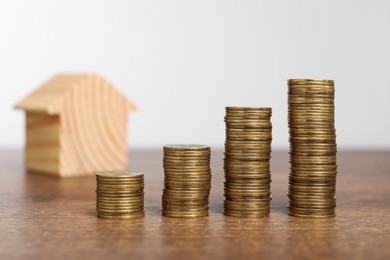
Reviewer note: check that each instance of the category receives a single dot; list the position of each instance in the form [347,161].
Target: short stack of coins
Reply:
[120,195]
[247,162]
[313,166]
[187,181]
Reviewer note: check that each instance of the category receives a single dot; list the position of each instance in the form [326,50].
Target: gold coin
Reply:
[106,204]
[103,207]
[187,210]
[179,210]
[313,178]
[187,154]
[193,175]
[189,160]
[314,168]
[298,152]
[262,122]
[184,207]
[121,217]
[120,182]
[310,91]
[186,193]
[248,126]
[243,180]
[247,169]
[139,207]
[107,181]
[101,194]
[248,118]
[169,194]
[112,186]
[312,106]
[312,200]
[233,144]
[246,204]
[197,188]
[186,160]
[184,185]
[313,182]
[309,194]
[312,151]
[188,171]
[247,157]
[248,197]
[186,180]
[315,200]
[249,131]
[314,211]
[183,215]
[253,134]
[119,190]
[181,147]
[313,157]
[309,96]
[248,191]
[241,214]
[118,211]
[249,139]
[185,201]
[255,192]
[323,206]
[310,82]
[120,200]
[238,119]
[248,177]
[312,188]
[246,110]
[245,185]
[236,163]
[311,216]
[119,175]
[187,168]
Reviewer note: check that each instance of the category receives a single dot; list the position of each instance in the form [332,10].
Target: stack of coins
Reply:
[120,195]
[247,162]
[313,166]
[187,181]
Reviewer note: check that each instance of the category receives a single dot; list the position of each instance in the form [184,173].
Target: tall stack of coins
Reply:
[120,195]
[313,166]
[187,181]
[247,162]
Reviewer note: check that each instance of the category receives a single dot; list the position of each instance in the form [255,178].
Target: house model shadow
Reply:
[76,124]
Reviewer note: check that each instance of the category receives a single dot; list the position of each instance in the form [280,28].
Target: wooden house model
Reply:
[76,124]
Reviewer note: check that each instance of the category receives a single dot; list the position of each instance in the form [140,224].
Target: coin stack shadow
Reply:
[187,181]
[120,195]
[313,165]
[247,162]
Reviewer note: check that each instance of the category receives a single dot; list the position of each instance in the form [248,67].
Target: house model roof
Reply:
[52,95]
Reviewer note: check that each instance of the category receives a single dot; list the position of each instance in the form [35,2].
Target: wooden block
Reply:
[76,124]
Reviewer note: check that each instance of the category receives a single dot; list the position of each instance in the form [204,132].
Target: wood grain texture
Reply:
[42,149]
[52,218]
[91,125]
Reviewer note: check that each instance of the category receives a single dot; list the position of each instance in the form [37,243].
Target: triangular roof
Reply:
[49,97]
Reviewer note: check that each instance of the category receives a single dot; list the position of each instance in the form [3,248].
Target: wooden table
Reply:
[44,217]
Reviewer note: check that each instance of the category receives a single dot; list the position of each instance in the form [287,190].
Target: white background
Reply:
[182,61]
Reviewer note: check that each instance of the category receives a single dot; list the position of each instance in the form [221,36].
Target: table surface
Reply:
[45,217]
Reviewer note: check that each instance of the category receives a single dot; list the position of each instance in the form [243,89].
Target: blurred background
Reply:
[182,62]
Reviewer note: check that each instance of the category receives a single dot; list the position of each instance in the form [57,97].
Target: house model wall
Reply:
[76,124]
